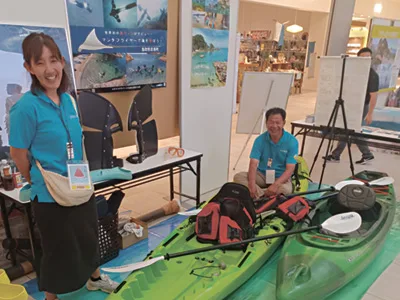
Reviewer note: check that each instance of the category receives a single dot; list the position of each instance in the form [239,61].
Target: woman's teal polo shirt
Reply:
[36,125]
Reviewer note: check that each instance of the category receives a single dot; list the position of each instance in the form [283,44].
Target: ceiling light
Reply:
[378,8]
[294,28]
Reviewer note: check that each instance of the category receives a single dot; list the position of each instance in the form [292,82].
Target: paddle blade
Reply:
[382,181]
[133,267]
[342,184]
[343,223]
[189,213]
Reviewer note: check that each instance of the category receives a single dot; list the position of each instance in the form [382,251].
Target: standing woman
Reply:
[42,124]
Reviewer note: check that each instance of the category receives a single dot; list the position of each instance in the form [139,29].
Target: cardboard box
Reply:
[131,239]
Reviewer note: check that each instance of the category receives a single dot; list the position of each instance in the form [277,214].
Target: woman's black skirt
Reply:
[70,247]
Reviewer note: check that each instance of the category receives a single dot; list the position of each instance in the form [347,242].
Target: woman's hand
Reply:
[20,157]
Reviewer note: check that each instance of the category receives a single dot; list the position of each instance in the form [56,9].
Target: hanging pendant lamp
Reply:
[294,28]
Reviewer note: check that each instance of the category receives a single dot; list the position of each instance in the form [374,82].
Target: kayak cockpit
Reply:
[372,219]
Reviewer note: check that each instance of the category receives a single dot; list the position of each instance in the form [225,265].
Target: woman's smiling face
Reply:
[48,69]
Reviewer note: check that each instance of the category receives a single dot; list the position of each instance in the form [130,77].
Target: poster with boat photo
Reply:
[210,43]
[14,78]
[118,44]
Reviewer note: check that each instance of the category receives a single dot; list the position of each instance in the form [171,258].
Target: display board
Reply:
[385,45]
[354,90]
[260,92]
[118,44]
[15,80]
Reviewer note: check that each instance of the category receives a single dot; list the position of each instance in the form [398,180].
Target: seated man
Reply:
[272,159]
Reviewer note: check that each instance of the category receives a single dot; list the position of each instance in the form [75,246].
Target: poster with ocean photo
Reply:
[118,45]
[214,15]
[209,57]
[210,43]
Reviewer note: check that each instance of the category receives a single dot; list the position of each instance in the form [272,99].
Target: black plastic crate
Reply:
[108,238]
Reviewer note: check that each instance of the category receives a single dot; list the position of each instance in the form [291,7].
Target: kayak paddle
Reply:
[378,182]
[340,224]
[190,212]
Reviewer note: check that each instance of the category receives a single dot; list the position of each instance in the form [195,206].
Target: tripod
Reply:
[330,128]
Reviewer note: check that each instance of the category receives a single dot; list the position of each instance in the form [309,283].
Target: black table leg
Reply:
[198,174]
[292,129]
[28,211]
[303,143]
[34,247]
[171,184]
[7,228]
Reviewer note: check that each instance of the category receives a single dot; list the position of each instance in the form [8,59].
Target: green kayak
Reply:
[208,275]
[313,265]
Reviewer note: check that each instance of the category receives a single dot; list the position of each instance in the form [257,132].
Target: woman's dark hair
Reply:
[363,50]
[275,111]
[32,48]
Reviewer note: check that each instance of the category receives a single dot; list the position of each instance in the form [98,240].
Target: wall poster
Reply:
[385,44]
[14,78]
[118,44]
[210,42]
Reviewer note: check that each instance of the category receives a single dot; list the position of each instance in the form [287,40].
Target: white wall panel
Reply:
[34,12]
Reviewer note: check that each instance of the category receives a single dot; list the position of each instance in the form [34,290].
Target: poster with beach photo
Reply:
[384,43]
[209,57]
[210,42]
[211,14]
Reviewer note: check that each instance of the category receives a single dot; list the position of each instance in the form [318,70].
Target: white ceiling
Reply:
[391,8]
[306,5]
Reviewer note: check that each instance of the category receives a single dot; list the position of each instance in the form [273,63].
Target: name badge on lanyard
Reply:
[78,170]
[269,174]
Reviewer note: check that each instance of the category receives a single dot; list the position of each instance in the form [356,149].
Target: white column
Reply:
[206,113]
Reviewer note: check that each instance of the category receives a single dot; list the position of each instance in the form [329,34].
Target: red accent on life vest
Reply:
[207,223]
[224,221]
[295,208]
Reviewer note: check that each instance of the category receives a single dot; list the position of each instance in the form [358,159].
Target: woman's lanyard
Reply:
[70,147]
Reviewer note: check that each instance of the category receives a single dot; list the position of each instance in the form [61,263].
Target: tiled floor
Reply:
[143,199]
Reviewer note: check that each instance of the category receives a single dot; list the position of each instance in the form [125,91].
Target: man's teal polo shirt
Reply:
[36,125]
[281,153]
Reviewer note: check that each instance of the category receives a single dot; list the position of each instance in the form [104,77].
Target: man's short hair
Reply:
[275,111]
[363,50]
